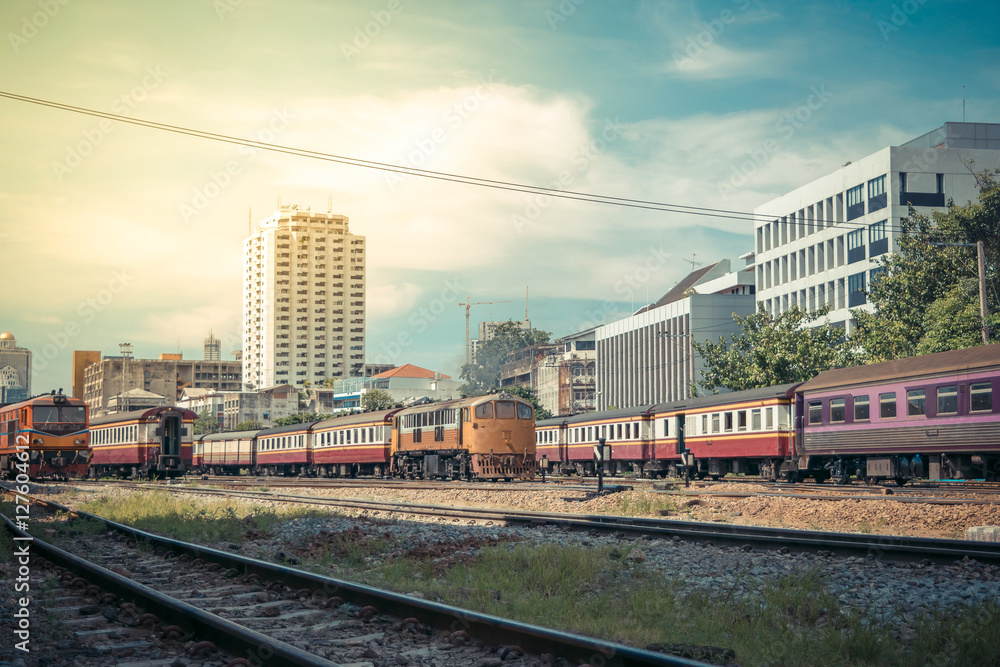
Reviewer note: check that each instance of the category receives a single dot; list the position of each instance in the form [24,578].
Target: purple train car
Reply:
[928,417]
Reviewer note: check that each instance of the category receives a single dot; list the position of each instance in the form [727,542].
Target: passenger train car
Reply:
[932,416]
[486,437]
[44,436]
[151,443]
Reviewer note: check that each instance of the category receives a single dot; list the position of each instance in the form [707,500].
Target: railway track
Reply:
[754,537]
[274,615]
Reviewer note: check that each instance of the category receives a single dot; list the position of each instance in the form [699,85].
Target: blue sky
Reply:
[113,233]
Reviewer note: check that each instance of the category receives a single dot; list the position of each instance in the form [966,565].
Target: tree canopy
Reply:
[927,297]
[773,350]
[376,399]
[484,375]
[205,423]
[529,395]
[301,418]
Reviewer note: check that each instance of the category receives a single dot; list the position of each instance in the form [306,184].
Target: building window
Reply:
[855,202]
[877,239]
[856,290]
[876,194]
[875,274]
[856,246]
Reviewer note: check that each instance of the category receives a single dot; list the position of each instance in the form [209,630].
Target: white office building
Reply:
[821,243]
[303,300]
[648,358]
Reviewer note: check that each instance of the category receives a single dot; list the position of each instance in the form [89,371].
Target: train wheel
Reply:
[901,481]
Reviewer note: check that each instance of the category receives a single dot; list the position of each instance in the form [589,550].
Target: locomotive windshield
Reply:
[59,419]
[523,411]
[505,409]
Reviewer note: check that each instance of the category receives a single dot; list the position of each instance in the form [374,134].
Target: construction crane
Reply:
[468,305]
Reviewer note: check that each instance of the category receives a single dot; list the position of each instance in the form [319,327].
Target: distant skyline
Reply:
[114,233]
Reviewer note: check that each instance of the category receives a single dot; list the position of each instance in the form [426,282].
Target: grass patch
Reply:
[600,592]
[193,520]
[639,503]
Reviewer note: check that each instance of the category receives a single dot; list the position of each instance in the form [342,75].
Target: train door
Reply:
[681,448]
[170,431]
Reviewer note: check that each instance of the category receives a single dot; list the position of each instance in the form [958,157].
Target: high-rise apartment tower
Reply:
[303,299]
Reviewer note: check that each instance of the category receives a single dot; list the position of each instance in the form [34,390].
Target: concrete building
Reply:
[168,377]
[407,384]
[648,357]
[303,299]
[212,348]
[821,243]
[15,366]
[562,374]
[200,400]
[134,399]
[82,359]
[263,407]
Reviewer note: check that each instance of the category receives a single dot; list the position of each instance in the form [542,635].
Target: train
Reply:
[927,417]
[152,443]
[45,436]
[480,438]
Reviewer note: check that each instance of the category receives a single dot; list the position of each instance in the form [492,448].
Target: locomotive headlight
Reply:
[37,441]
[78,441]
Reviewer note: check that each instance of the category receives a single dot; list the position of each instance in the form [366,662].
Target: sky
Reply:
[111,232]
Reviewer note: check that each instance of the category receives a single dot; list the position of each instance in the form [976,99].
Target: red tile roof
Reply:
[410,371]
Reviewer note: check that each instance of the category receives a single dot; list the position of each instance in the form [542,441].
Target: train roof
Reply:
[135,415]
[288,428]
[461,403]
[228,435]
[356,418]
[969,360]
[44,399]
[620,413]
[730,397]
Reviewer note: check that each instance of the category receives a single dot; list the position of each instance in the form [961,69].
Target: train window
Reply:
[590,433]
[371,435]
[838,410]
[524,411]
[505,410]
[484,411]
[715,422]
[915,400]
[729,421]
[981,397]
[861,409]
[887,405]
[769,419]
[947,400]
[666,428]
[755,420]
[704,424]
[815,412]
[348,436]
[741,420]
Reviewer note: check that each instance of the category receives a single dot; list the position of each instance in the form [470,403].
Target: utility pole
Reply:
[983,313]
[468,305]
[981,251]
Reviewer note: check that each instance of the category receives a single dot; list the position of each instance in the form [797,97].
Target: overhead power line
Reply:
[437,175]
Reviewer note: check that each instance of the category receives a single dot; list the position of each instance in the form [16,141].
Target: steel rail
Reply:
[235,638]
[484,627]
[889,547]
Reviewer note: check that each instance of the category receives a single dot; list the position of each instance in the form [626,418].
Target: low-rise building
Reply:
[263,407]
[167,376]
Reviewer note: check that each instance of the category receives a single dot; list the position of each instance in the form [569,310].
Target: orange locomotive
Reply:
[45,436]
[484,437]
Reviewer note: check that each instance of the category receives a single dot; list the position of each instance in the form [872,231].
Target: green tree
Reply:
[484,375]
[376,399]
[773,350]
[927,297]
[301,418]
[248,426]
[528,394]
[205,423]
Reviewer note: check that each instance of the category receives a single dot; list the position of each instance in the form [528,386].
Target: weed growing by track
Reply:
[639,503]
[601,592]
[193,520]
